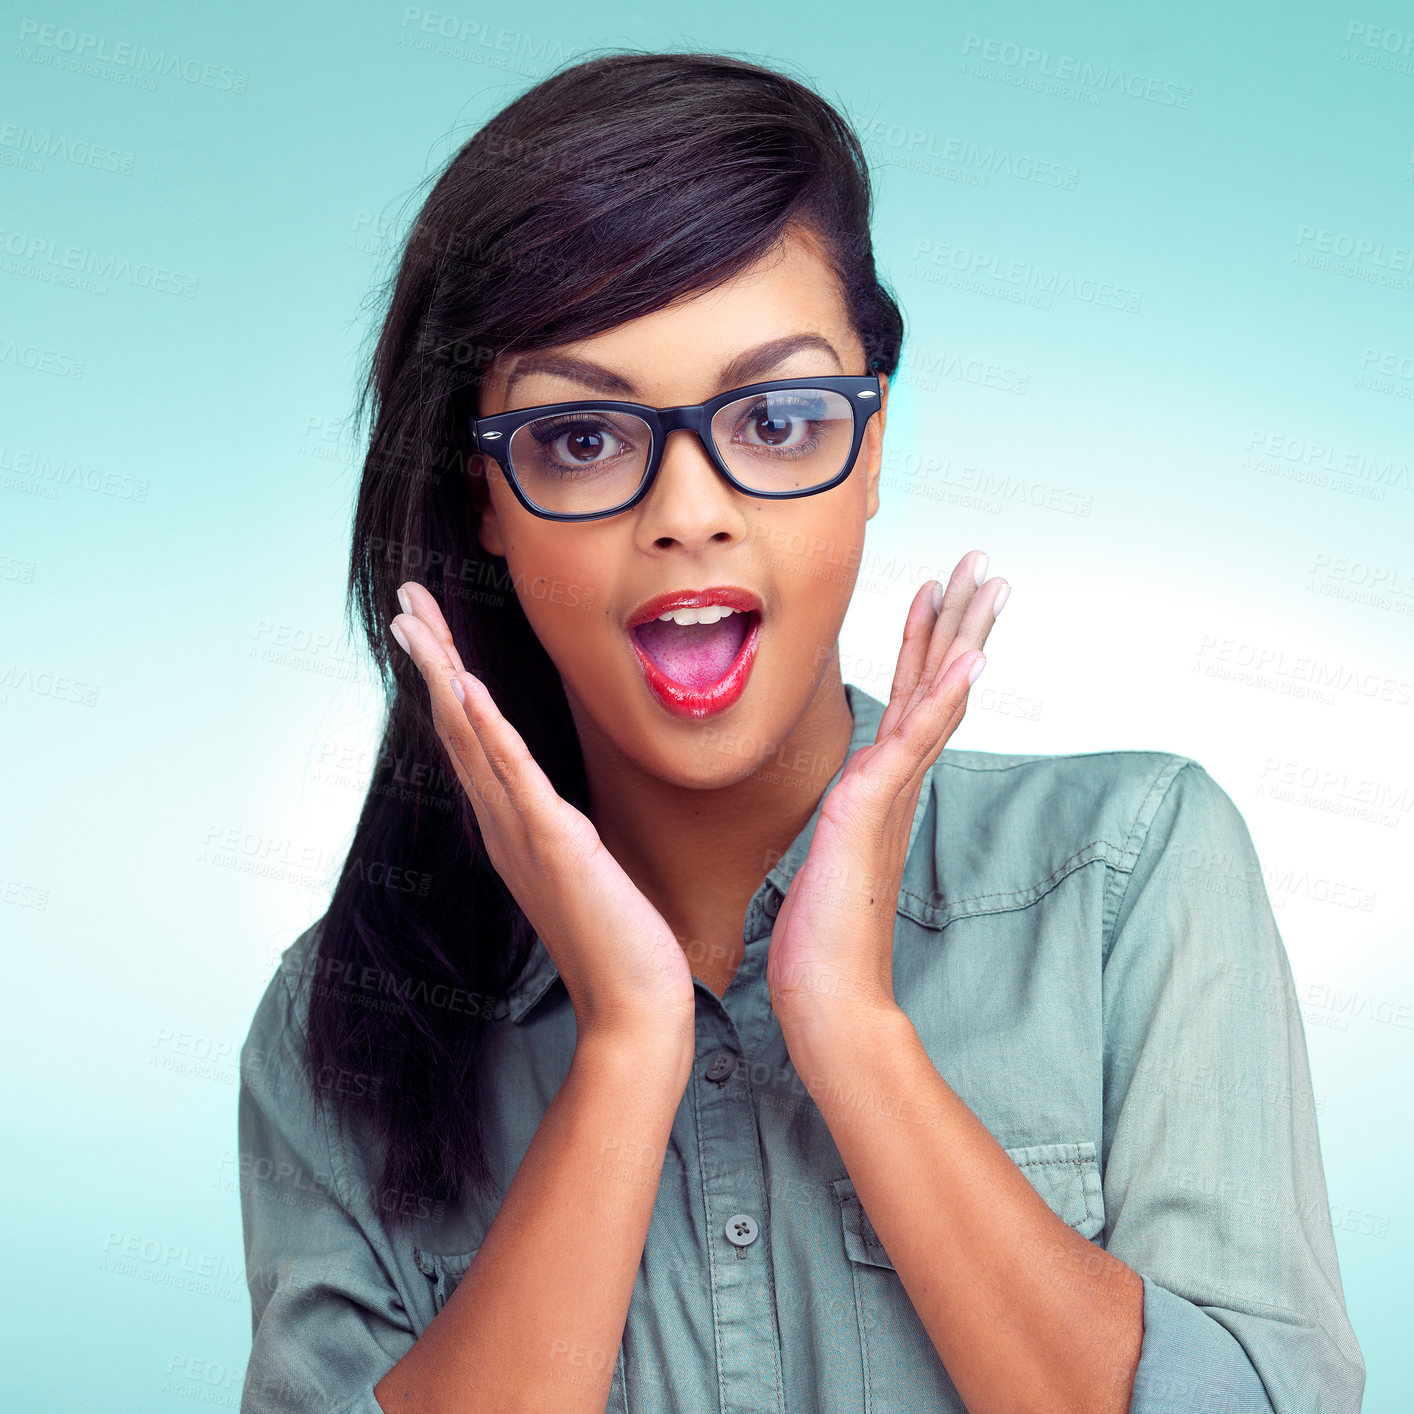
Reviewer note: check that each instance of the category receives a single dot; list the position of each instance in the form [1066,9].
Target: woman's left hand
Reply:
[831,951]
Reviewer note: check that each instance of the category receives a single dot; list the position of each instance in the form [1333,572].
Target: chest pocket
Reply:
[444,1271]
[902,1368]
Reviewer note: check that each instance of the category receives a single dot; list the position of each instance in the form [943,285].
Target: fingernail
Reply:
[402,642]
[937,597]
[979,570]
[459,689]
[975,671]
[404,600]
[1000,599]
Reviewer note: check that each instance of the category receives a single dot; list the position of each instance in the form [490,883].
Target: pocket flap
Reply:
[861,1242]
[444,1270]
[1067,1176]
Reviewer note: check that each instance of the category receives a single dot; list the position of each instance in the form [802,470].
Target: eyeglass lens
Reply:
[788,439]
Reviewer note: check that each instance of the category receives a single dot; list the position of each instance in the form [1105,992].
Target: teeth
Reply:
[709,614]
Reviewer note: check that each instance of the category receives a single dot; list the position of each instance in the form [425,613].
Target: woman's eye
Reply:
[580,444]
[777,425]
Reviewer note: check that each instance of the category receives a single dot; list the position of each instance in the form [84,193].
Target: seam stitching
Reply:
[1107,943]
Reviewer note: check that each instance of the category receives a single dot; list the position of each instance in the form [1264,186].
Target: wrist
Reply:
[848,1032]
[644,1052]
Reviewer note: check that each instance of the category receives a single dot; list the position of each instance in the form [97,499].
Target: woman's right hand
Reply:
[626,973]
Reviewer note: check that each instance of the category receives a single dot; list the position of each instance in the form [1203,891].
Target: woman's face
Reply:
[581,583]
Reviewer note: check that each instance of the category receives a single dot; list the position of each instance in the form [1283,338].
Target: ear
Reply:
[873,448]
[483,512]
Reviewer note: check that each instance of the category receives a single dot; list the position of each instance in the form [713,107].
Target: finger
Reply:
[419,601]
[523,786]
[961,589]
[490,770]
[962,628]
[896,764]
[975,621]
[431,659]
[913,652]
[925,731]
[926,655]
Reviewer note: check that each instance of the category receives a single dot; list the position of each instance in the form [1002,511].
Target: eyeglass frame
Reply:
[864,394]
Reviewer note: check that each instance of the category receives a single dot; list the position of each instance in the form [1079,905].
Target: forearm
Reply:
[1025,1313]
[537,1321]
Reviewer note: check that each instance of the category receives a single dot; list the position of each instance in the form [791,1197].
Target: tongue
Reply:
[693,655]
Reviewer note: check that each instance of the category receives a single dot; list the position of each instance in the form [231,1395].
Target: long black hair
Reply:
[607,190]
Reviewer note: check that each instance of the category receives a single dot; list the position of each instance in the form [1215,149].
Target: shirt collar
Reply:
[540,972]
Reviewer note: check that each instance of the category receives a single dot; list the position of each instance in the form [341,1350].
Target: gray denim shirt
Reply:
[1085,946]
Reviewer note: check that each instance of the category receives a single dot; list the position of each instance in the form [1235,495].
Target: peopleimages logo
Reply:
[43,257]
[975,162]
[1353,247]
[26,147]
[58,46]
[1064,68]
[961,263]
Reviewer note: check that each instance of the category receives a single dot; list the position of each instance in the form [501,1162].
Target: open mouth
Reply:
[694,655]
[701,668]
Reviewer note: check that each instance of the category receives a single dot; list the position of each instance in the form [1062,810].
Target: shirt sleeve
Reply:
[327,1320]
[1213,1185]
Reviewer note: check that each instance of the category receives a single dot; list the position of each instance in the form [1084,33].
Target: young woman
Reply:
[689,1030]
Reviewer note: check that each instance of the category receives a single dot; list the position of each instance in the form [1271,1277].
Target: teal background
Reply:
[1203,503]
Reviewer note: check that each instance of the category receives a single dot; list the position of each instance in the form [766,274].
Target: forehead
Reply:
[677,353]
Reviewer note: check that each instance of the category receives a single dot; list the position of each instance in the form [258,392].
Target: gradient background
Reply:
[1191,458]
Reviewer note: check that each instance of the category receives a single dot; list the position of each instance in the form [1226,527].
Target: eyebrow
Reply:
[746,367]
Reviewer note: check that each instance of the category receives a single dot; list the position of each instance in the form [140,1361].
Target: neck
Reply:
[699,855]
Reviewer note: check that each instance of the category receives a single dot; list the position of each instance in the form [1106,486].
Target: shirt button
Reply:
[722,1065]
[741,1229]
[771,904]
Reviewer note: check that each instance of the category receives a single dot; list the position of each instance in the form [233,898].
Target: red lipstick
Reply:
[696,701]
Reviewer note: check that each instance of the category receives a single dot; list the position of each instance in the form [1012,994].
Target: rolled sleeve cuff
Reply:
[362,1403]
[1189,1362]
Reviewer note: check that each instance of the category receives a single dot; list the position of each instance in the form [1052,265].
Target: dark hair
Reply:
[603,193]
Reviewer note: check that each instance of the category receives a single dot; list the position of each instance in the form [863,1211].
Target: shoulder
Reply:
[1007,828]
[280,1022]
[286,1104]
[1110,796]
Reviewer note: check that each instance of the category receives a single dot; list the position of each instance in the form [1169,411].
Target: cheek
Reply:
[563,582]
[821,555]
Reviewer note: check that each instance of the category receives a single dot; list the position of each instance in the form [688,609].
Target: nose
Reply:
[691,502]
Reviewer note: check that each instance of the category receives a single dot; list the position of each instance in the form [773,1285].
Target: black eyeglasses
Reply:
[582,460]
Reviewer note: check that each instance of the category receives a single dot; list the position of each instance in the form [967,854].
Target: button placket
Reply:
[729,1153]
